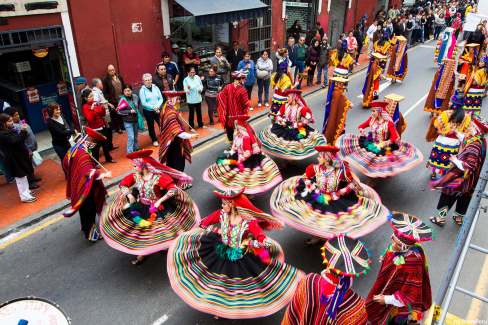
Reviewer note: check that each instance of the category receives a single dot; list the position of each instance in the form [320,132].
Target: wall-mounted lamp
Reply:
[235,23]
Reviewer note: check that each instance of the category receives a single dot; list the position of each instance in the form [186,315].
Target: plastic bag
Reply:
[36,158]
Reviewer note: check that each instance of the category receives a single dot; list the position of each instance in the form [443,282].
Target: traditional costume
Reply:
[174,140]
[244,165]
[402,292]
[458,184]
[232,102]
[381,153]
[448,134]
[280,82]
[476,88]
[382,46]
[328,200]
[232,271]
[327,298]
[398,66]
[469,59]
[290,136]
[446,46]
[150,210]
[393,109]
[84,186]
[336,106]
[442,87]
[373,76]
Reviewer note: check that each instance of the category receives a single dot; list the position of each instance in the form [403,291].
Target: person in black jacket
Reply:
[17,156]
[112,89]
[235,55]
[60,130]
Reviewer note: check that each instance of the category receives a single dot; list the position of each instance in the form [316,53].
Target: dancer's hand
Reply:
[379,299]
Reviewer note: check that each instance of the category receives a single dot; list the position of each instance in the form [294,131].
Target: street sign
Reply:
[23,66]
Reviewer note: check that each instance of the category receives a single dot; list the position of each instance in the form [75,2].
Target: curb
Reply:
[60,206]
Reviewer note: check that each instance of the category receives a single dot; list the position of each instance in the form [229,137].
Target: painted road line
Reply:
[427,46]
[161,320]
[383,86]
[480,289]
[410,110]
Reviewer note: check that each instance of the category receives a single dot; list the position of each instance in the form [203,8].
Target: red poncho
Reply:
[171,126]
[82,178]
[232,102]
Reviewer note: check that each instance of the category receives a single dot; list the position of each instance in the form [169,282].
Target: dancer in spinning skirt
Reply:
[84,186]
[442,87]
[469,59]
[447,129]
[150,210]
[290,136]
[398,67]
[244,165]
[402,292]
[328,200]
[380,153]
[372,83]
[458,184]
[327,298]
[280,81]
[232,269]
[174,140]
[476,88]
[446,46]
[336,107]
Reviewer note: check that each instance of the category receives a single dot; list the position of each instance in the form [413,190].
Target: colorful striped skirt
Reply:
[246,288]
[123,234]
[288,143]
[474,100]
[259,174]
[440,155]
[354,214]
[403,158]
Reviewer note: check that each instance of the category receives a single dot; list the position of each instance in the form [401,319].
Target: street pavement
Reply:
[95,284]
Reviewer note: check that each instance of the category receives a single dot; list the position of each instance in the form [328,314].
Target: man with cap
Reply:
[80,85]
[84,186]
[327,298]
[174,138]
[336,106]
[232,102]
[402,292]
[171,67]
[458,184]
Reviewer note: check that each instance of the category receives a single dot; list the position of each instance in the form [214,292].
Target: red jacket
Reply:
[95,117]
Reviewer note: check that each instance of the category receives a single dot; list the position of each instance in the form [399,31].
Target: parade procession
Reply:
[332,175]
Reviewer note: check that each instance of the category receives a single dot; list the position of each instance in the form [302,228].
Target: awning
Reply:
[220,11]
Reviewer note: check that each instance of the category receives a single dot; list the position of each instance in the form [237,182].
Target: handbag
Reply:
[261,74]
[36,158]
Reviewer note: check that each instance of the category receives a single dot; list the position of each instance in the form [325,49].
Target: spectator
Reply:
[151,101]
[295,30]
[323,64]
[128,107]
[477,36]
[352,45]
[370,34]
[429,25]
[60,130]
[264,68]
[94,114]
[16,154]
[380,15]
[301,56]
[99,98]
[409,28]
[235,55]
[388,30]
[223,66]
[457,24]
[213,84]
[393,12]
[439,24]
[248,65]
[162,79]
[292,54]
[193,87]
[112,88]
[359,38]
[80,85]
[313,57]
[30,141]
[190,59]
[175,55]
[171,68]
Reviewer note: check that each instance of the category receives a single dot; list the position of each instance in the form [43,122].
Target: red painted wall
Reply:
[33,21]
[278,26]
[108,39]
[240,34]
[358,9]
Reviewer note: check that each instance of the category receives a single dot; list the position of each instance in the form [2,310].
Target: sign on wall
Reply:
[23,66]
[137,27]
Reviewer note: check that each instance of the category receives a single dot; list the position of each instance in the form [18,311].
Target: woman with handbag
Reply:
[128,108]
[264,67]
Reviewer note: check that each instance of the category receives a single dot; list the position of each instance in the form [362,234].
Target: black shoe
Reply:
[33,186]
[36,179]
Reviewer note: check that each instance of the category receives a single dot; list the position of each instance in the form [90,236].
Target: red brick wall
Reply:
[33,21]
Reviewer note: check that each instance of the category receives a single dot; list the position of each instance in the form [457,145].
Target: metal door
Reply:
[337,15]
[260,33]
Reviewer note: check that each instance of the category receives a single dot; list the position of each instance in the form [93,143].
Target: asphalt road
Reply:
[95,284]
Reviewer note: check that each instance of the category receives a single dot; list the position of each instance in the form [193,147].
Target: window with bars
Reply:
[11,39]
[260,33]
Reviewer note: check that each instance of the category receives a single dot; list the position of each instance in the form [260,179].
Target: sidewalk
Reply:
[51,194]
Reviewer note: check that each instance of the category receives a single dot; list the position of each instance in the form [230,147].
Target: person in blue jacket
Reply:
[248,66]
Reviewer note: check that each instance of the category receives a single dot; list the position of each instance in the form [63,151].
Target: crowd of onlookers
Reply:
[111,105]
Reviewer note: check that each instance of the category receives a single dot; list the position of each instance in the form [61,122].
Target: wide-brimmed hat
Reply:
[96,136]
[409,229]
